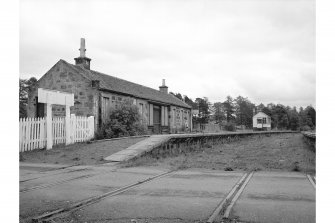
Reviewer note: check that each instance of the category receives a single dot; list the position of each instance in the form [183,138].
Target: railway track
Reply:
[48,217]
[224,206]
[220,214]
[55,183]
[52,173]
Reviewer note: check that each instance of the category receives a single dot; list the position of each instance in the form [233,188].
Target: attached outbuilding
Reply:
[95,94]
[261,121]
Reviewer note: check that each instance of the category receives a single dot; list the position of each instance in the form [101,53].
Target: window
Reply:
[264,120]
[261,120]
[141,109]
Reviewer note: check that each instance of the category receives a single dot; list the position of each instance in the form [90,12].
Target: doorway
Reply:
[39,109]
[157,119]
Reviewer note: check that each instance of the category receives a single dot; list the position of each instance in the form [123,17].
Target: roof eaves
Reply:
[149,99]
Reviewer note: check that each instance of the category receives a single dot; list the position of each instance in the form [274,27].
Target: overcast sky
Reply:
[263,50]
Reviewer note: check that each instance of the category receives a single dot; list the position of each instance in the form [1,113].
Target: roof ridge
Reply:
[139,85]
[110,82]
[128,81]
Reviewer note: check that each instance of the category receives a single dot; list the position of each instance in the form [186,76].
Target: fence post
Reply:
[72,127]
[67,126]
[191,121]
[91,126]
[49,126]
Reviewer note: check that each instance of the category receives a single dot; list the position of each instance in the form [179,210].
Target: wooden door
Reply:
[105,109]
[157,119]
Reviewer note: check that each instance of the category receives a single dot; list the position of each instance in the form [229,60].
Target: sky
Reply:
[260,49]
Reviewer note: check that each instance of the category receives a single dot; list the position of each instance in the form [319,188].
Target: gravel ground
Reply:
[79,153]
[283,152]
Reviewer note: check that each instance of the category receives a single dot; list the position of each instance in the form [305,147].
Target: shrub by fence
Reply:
[33,133]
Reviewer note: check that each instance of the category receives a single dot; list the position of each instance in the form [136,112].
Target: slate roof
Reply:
[115,84]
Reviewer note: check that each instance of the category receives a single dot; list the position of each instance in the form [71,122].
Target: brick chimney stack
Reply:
[163,88]
[82,59]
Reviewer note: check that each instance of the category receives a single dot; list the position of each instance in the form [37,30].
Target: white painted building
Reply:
[261,121]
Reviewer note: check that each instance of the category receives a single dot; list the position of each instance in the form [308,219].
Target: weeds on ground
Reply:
[21,159]
[285,152]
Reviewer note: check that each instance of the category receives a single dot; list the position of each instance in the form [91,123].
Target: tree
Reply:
[229,108]
[293,119]
[311,113]
[178,95]
[219,115]
[307,117]
[203,106]
[279,117]
[25,86]
[260,107]
[190,102]
[244,111]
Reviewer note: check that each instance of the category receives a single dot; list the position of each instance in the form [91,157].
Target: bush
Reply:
[230,127]
[124,121]
[305,128]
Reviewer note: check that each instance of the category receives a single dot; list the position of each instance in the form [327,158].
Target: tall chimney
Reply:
[82,47]
[82,59]
[163,88]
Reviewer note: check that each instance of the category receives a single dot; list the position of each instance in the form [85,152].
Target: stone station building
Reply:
[96,94]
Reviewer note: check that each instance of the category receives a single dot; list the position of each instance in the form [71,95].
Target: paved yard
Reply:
[181,196]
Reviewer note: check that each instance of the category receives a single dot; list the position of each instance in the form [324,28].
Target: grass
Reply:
[79,153]
[283,152]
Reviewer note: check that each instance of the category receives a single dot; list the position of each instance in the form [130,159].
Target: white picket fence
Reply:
[58,130]
[33,133]
[82,128]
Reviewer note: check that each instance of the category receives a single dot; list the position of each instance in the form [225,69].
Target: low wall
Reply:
[176,144]
[310,138]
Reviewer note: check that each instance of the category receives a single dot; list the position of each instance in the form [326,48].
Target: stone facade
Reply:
[90,99]
[61,78]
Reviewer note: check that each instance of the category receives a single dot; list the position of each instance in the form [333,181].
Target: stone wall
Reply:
[180,119]
[61,77]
